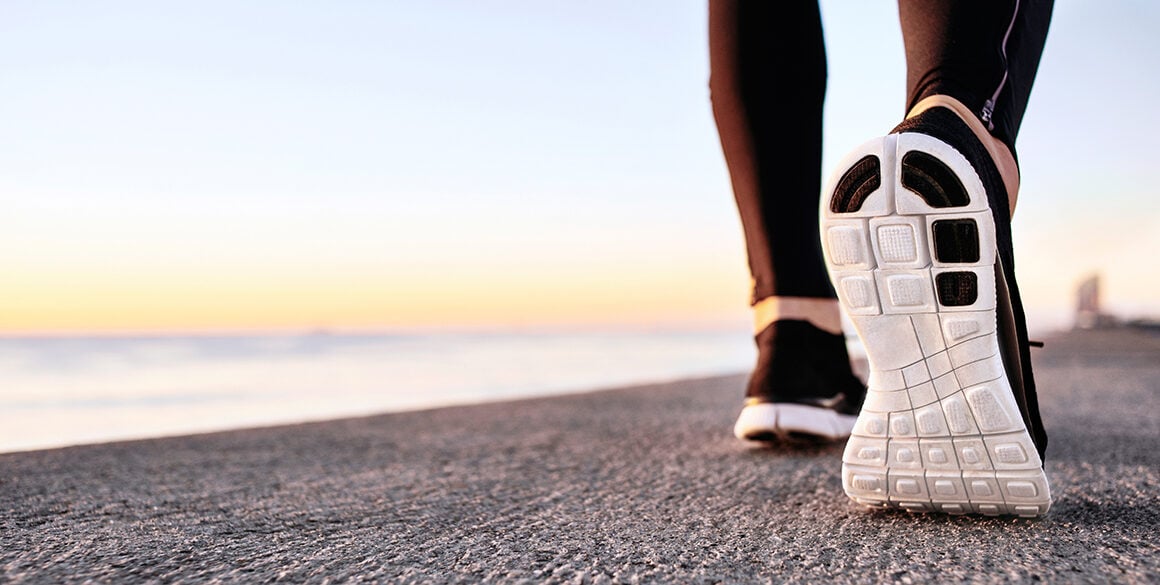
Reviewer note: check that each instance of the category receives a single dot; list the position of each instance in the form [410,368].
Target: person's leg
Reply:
[768,83]
[918,244]
[983,56]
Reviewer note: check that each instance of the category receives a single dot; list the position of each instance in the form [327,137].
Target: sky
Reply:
[268,165]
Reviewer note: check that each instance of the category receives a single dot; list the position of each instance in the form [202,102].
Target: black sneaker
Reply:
[917,239]
[802,388]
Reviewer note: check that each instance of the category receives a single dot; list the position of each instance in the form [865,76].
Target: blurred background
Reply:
[219,214]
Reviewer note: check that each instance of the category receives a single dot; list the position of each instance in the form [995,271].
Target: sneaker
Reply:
[802,388]
[916,233]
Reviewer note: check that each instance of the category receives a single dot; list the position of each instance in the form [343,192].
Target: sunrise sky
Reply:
[220,165]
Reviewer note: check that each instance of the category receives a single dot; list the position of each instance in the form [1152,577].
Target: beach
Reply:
[638,484]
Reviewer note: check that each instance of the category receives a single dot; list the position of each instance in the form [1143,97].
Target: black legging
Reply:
[768,82]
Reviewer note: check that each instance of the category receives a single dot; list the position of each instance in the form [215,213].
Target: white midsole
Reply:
[785,419]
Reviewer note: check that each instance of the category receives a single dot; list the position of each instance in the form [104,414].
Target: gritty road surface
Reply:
[642,484]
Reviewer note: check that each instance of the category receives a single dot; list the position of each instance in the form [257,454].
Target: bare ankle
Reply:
[821,313]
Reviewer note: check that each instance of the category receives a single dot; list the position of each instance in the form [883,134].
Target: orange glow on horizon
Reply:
[71,302]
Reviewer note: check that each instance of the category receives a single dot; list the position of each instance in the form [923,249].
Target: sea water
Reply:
[57,391]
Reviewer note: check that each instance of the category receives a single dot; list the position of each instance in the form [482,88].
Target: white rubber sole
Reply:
[788,422]
[940,429]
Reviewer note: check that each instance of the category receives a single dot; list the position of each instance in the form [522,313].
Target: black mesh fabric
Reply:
[800,363]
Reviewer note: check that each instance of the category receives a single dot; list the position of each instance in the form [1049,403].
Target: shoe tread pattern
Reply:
[940,430]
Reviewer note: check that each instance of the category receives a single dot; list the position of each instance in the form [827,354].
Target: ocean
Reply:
[58,391]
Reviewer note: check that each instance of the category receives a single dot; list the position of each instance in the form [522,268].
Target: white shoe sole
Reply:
[769,421]
[940,429]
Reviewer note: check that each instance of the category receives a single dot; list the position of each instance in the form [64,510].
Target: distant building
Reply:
[1088,314]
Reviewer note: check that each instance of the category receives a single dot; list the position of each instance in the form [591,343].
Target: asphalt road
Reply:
[633,485]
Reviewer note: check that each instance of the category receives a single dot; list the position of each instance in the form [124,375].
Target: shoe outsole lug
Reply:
[955,241]
[861,180]
[932,180]
[959,288]
[914,267]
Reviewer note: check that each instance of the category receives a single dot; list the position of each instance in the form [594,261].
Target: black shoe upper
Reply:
[945,125]
[802,364]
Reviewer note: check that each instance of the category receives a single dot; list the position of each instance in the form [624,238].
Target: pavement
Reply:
[642,484]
